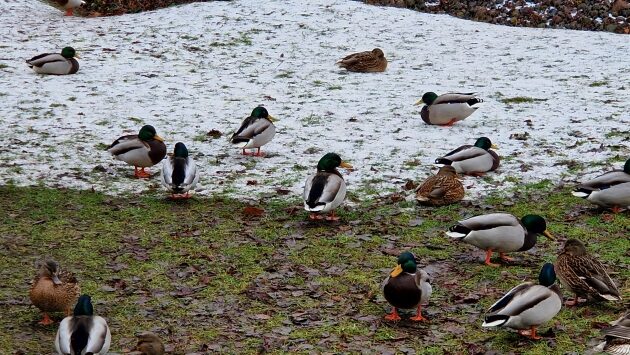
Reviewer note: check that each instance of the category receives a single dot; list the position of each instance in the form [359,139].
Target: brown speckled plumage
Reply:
[365,62]
[584,275]
[51,297]
[150,344]
[441,189]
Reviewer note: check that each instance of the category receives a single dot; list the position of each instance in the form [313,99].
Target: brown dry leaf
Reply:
[253,211]
[214,134]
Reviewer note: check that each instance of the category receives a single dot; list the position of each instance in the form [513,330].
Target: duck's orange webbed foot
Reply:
[46,320]
[141,173]
[394,317]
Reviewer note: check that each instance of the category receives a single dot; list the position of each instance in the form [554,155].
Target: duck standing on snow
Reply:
[611,190]
[83,332]
[141,150]
[584,275]
[55,63]
[365,62]
[149,344]
[53,290]
[617,341]
[406,287]
[179,172]
[441,189]
[472,160]
[70,5]
[527,305]
[325,190]
[255,131]
[500,232]
[448,108]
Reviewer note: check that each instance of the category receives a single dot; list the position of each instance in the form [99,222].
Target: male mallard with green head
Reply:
[472,160]
[500,232]
[325,190]
[179,173]
[584,275]
[610,190]
[83,332]
[55,63]
[365,62]
[53,290]
[406,287]
[441,189]
[448,108]
[255,131]
[527,306]
[141,150]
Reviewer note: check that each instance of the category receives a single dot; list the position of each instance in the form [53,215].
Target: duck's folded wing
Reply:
[618,331]
[454,98]
[250,128]
[323,189]
[45,58]
[167,172]
[98,336]
[489,221]
[125,144]
[463,152]
[515,294]
[191,172]
[62,340]
[606,180]
[595,276]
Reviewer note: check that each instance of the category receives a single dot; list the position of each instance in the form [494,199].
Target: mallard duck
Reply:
[255,131]
[617,341]
[446,109]
[365,62]
[142,150]
[53,290]
[55,63]
[179,172]
[83,332]
[611,190]
[69,5]
[441,189]
[527,305]
[149,344]
[583,275]
[472,160]
[406,287]
[325,190]
[500,232]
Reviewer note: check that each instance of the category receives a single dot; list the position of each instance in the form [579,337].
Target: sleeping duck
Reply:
[406,287]
[70,5]
[179,172]
[473,160]
[527,305]
[325,190]
[55,63]
[255,131]
[53,290]
[441,189]
[365,62]
[141,150]
[500,232]
[149,344]
[448,108]
[584,275]
[610,190]
[83,332]
[617,341]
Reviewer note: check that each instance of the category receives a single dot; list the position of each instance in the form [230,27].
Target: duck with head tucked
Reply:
[325,190]
[365,62]
[610,190]
[53,290]
[255,131]
[407,287]
[55,63]
[441,189]
[500,232]
[141,150]
[473,160]
[83,332]
[446,109]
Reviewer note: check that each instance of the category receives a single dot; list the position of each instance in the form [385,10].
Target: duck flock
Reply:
[524,307]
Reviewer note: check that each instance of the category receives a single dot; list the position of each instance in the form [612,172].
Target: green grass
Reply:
[519,100]
[203,274]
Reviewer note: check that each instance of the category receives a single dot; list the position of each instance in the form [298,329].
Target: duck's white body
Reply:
[98,340]
[254,133]
[183,171]
[469,159]
[53,63]
[323,192]
[608,190]
[450,108]
[501,232]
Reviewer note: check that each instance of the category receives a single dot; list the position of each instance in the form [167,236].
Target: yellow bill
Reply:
[345,165]
[397,270]
[156,137]
[548,235]
[419,102]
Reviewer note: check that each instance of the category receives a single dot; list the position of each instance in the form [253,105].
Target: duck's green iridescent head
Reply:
[535,223]
[261,112]
[84,306]
[147,132]
[626,167]
[406,263]
[180,150]
[330,162]
[68,52]
[484,143]
[547,275]
[428,98]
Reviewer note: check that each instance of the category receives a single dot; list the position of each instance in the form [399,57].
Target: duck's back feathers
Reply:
[585,275]
[53,63]
[324,191]
[254,132]
[470,159]
[132,150]
[457,98]
[607,180]
[370,61]
[83,335]
[179,174]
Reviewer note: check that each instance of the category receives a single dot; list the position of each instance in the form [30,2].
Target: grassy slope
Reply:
[207,277]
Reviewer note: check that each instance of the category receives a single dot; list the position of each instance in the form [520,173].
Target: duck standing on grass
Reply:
[584,275]
[179,173]
[610,190]
[473,160]
[441,189]
[83,332]
[500,232]
[446,109]
[255,131]
[406,287]
[141,150]
[325,190]
[55,63]
[527,306]
[53,290]
[365,62]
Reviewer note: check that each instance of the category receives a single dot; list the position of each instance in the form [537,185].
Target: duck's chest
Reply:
[402,291]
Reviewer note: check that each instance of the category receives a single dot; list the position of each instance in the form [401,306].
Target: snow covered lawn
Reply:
[200,67]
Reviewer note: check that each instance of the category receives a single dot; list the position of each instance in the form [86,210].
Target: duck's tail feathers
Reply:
[475,102]
[495,320]
[314,206]
[241,141]
[609,297]
[458,231]
[583,193]
[443,161]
